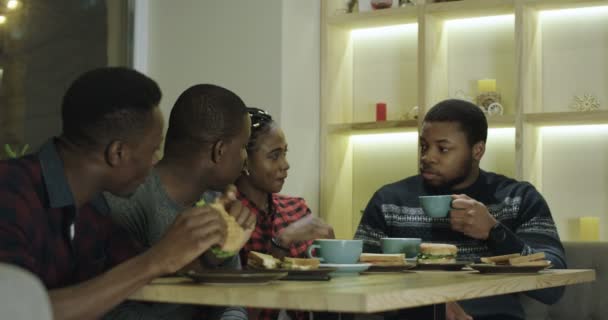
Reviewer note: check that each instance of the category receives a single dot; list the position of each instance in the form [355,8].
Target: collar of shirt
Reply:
[272,201]
[59,192]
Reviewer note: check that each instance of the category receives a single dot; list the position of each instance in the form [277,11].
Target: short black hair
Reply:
[470,117]
[204,113]
[107,104]
[261,122]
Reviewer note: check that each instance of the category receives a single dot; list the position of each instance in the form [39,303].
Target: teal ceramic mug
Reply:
[336,251]
[436,206]
[409,246]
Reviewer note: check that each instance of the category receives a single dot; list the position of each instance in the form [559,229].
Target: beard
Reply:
[463,173]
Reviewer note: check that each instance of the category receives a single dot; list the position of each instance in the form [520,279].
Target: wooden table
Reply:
[361,294]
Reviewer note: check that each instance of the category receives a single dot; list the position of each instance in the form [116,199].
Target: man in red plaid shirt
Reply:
[53,220]
[285,226]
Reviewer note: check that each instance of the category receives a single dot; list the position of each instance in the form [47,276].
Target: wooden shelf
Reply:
[527,55]
[564,4]
[505,121]
[378,18]
[470,8]
[567,118]
[374,126]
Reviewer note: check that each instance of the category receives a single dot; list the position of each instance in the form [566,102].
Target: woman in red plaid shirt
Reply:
[285,225]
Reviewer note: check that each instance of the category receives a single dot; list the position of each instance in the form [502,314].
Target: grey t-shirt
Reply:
[147,214]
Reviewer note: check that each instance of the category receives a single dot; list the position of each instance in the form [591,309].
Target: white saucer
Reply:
[346,269]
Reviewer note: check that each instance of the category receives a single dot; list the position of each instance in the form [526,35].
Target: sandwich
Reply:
[437,253]
[236,236]
[500,260]
[300,263]
[516,259]
[383,260]
[258,260]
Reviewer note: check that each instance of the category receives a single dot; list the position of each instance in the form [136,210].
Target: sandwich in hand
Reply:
[383,260]
[236,236]
[300,263]
[437,253]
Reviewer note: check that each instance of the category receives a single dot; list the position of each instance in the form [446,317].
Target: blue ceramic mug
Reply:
[436,206]
[336,251]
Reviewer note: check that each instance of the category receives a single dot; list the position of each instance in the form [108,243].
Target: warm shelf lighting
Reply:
[384,31]
[593,129]
[395,137]
[500,133]
[2,19]
[412,136]
[12,4]
[572,13]
[480,22]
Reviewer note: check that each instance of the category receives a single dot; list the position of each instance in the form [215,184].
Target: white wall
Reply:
[300,96]
[267,51]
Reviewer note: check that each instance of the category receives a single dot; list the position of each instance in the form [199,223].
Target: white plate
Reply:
[346,269]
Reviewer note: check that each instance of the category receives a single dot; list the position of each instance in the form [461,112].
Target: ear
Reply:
[116,153]
[217,151]
[478,150]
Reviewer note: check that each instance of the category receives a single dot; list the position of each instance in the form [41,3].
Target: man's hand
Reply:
[307,228]
[193,232]
[235,208]
[453,311]
[471,217]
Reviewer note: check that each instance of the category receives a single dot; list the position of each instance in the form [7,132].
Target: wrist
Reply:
[494,226]
[280,243]
[283,239]
[149,265]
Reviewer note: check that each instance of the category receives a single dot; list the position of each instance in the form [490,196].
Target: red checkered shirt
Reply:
[41,230]
[284,210]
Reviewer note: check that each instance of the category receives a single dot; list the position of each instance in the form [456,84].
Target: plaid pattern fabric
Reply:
[283,212]
[37,212]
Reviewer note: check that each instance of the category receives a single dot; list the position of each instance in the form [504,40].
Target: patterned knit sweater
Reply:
[394,211]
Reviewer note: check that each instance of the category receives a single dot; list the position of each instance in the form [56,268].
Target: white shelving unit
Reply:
[542,53]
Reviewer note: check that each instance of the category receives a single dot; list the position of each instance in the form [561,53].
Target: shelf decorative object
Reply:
[487,94]
[380,111]
[381,4]
[413,113]
[586,102]
[495,109]
[589,228]
[463,96]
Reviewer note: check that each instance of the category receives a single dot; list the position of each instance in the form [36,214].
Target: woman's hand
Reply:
[307,228]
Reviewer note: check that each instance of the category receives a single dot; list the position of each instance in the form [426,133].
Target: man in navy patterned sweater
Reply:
[497,215]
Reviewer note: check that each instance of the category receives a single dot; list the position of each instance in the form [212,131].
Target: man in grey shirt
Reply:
[204,150]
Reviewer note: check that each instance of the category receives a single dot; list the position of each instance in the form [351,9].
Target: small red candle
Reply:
[380,111]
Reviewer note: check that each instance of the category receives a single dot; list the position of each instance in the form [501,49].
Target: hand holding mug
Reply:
[470,217]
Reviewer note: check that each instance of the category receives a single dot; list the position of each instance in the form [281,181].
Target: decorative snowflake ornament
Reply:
[461,95]
[585,102]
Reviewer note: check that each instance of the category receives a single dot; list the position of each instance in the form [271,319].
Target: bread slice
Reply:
[300,263]
[537,263]
[437,261]
[528,258]
[504,259]
[236,236]
[440,249]
[260,260]
[396,259]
